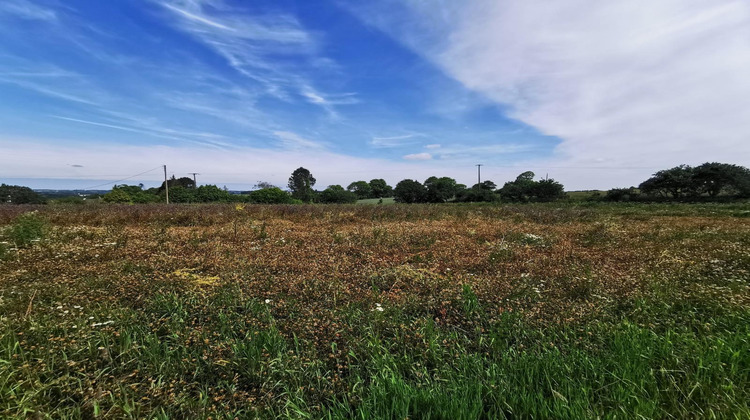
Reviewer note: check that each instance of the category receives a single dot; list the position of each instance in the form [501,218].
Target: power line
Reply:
[124,179]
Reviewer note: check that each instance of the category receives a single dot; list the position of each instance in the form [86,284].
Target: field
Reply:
[422,311]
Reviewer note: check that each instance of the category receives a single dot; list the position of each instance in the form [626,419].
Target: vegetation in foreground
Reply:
[454,312]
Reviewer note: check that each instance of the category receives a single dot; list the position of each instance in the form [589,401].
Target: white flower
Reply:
[76,307]
[99,324]
[378,307]
[268,300]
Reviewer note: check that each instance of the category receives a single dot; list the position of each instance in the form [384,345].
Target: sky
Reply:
[593,94]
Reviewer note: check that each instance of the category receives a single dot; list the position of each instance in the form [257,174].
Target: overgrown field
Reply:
[439,312]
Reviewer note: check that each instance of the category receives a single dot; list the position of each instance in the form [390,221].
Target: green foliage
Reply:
[380,189]
[211,194]
[337,194]
[478,193]
[711,178]
[182,195]
[300,184]
[184,182]
[674,182]
[622,194]
[525,189]
[26,229]
[440,190]
[72,199]
[16,194]
[410,191]
[271,195]
[361,188]
[118,196]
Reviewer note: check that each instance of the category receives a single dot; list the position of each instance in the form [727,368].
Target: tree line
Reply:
[710,181]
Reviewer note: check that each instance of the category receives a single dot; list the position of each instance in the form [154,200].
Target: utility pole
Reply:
[166,183]
[479,173]
[195,183]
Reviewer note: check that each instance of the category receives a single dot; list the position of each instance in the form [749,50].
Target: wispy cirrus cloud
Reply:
[266,48]
[26,10]
[396,141]
[293,141]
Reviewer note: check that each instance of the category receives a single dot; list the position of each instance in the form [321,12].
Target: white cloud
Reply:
[293,141]
[418,156]
[432,146]
[395,141]
[632,83]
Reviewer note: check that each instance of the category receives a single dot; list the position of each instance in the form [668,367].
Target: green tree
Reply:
[525,189]
[361,188]
[301,183]
[440,190]
[714,178]
[211,194]
[380,188]
[16,194]
[182,195]
[621,194]
[484,192]
[410,191]
[546,190]
[337,194]
[183,182]
[272,195]
[676,182]
[117,195]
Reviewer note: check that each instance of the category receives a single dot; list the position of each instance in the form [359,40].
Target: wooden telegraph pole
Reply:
[166,183]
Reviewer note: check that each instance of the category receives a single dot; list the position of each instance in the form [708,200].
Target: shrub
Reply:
[272,195]
[26,229]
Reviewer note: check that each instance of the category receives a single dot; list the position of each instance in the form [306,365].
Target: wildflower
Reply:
[378,307]
[99,324]
[268,301]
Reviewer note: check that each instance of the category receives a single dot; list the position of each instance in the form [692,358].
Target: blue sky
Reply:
[240,91]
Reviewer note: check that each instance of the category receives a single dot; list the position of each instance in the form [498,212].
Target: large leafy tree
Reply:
[361,188]
[272,195]
[379,188]
[211,194]
[301,183]
[484,192]
[714,178]
[676,182]
[410,191]
[183,182]
[440,190]
[525,189]
[337,194]
[16,194]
